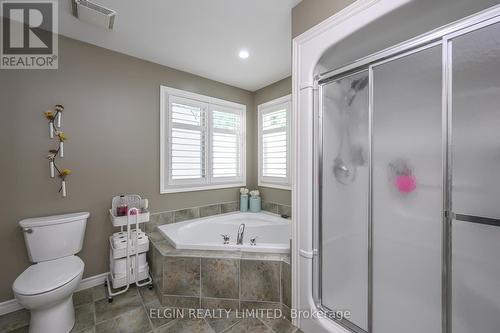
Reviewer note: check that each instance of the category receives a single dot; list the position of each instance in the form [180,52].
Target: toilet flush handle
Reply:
[28,230]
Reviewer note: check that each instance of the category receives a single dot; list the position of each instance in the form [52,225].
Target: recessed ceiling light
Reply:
[243,54]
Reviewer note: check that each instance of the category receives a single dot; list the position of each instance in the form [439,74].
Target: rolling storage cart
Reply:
[128,247]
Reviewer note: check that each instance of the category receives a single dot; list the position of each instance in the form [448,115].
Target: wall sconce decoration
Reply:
[55,123]
[63,174]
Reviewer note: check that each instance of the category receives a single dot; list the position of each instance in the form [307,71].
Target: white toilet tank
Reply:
[53,237]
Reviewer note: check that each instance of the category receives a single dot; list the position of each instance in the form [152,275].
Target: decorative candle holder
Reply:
[255,204]
[255,201]
[244,203]
[243,199]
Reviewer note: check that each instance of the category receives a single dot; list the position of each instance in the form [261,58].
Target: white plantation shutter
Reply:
[226,127]
[274,145]
[202,142]
[187,140]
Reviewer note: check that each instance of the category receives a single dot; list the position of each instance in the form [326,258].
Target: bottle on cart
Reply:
[122,208]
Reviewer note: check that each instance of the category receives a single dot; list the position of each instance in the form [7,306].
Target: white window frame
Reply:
[167,184]
[274,105]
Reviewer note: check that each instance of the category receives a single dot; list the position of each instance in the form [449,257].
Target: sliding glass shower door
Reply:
[407,193]
[475,137]
[408,213]
[344,197]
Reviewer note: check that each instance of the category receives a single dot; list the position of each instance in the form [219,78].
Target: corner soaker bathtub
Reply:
[272,231]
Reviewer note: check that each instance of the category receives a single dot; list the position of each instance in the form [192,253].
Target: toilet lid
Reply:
[48,275]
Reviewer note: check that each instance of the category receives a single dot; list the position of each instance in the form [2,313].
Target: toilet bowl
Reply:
[46,288]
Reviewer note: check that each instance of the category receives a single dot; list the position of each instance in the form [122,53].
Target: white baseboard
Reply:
[9,306]
[12,305]
[92,281]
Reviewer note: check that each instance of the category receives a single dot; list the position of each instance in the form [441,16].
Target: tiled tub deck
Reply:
[196,277]
[231,280]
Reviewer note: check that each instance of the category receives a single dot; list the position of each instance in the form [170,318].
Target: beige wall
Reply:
[266,94]
[112,120]
[308,13]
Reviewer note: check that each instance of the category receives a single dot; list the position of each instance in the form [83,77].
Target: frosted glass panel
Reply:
[476,278]
[345,197]
[476,119]
[407,192]
[476,182]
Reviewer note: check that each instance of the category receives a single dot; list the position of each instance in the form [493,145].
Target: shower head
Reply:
[356,85]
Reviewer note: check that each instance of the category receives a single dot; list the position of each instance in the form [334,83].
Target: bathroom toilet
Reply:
[46,288]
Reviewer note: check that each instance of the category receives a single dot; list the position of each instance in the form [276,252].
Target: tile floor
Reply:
[128,313]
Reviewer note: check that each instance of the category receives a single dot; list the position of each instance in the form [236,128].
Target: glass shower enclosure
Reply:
[407,211]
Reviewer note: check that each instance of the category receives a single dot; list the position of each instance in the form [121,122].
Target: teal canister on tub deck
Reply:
[244,203]
[255,203]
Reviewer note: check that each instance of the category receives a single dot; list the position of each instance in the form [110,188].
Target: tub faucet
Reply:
[241,230]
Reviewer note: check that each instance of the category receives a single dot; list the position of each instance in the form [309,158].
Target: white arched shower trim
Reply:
[307,50]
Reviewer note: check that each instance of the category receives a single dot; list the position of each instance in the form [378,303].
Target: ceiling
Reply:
[202,37]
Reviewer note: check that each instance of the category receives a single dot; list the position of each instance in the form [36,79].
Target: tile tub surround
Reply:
[210,210]
[130,313]
[190,213]
[219,279]
[276,208]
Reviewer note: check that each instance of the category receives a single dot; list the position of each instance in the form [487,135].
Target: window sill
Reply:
[200,188]
[276,186]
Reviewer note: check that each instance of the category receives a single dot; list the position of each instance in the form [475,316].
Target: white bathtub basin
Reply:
[273,233]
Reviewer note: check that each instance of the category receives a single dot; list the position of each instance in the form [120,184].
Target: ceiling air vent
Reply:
[93,13]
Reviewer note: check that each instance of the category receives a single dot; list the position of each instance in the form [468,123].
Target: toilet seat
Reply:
[48,275]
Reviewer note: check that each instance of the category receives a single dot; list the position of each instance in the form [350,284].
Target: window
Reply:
[202,142]
[274,143]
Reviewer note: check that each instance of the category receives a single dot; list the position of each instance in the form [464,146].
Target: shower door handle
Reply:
[475,219]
